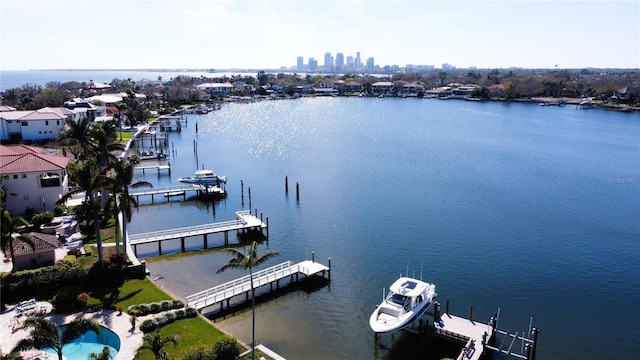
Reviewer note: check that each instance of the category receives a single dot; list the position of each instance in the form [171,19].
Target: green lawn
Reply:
[191,332]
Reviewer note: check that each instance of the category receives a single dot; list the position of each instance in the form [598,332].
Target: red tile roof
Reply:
[23,158]
[42,242]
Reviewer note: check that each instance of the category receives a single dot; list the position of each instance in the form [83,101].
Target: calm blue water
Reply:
[10,79]
[89,342]
[530,210]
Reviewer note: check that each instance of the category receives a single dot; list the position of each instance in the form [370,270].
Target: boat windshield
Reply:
[397,299]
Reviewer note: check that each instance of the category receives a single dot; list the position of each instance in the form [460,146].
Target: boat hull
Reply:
[379,325]
[408,300]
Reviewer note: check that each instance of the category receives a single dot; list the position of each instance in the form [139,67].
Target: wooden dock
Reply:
[180,190]
[473,334]
[224,292]
[244,221]
[479,337]
[157,167]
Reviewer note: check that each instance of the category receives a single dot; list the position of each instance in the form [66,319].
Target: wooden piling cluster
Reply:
[286,188]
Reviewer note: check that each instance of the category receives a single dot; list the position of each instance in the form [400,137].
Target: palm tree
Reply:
[9,226]
[11,356]
[86,175]
[155,343]
[45,334]
[76,137]
[120,182]
[104,355]
[240,260]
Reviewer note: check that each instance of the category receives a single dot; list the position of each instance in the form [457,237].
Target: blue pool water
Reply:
[90,342]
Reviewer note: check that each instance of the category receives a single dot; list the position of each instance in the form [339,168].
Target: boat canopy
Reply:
[408,287]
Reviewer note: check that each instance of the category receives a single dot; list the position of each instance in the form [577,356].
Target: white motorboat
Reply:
[407,301]
[204,176]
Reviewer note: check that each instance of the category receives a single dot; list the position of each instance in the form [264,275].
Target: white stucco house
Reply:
[216,89]
[32,178]
[33,125]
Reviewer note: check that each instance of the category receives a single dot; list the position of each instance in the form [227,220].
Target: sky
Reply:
[270,34]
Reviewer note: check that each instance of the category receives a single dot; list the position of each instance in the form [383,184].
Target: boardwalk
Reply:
[244,221]
[473,334]
[224,292]
[157,167]
[180,190]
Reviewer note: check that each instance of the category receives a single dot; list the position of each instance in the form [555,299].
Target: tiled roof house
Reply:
[33,125]
[41,254]
[32,178]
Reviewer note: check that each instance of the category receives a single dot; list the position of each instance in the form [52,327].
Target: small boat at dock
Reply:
[407,301]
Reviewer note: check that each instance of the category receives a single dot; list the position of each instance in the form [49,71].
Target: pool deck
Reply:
[130,340]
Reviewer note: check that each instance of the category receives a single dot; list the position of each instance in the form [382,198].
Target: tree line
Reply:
[164,95]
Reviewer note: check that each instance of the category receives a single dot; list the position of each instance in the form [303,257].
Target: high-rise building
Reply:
[300,63]
[370,65]
[328,62]
[313,64]
[358,62]
[339,61]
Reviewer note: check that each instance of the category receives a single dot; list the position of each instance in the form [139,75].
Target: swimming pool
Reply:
[89,342]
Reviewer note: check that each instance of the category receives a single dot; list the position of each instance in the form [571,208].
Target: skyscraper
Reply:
[313,64]
[300,63]
[328,62]
[370,65]
[339,61]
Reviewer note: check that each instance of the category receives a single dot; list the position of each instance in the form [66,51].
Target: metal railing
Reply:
[238,286]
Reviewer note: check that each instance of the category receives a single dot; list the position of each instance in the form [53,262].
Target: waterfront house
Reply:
[32,178]
[32,125]
[382,87]
[627,94]
[463,91]
[82,108]
[43,253]
[216,89]
[412,88]
[496,90]
[353,86]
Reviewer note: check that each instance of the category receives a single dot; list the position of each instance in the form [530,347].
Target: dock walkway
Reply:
[180,190]
[224,292]
[244,221]
[473,334]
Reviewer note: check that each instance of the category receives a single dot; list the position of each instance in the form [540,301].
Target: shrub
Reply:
[155,308]
[148,326]
[59,210]
[191,312]
[177,304]
[200,353]
[227,348]
[166,305]
[42,218]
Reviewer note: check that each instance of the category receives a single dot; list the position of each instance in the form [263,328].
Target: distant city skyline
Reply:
[272,34]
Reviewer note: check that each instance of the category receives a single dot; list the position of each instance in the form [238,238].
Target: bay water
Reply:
[530,211]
